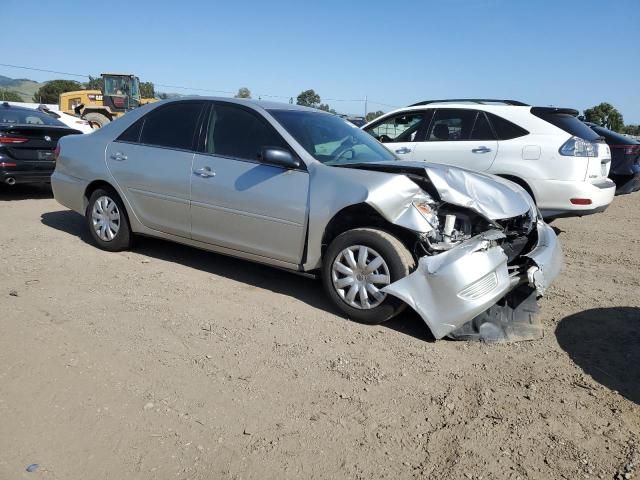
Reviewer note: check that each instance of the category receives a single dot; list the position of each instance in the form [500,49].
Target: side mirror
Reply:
[279,157]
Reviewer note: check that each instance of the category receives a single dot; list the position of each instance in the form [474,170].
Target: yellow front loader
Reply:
[121,94]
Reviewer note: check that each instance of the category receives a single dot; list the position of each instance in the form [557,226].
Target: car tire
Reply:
[397,262]
[107,221]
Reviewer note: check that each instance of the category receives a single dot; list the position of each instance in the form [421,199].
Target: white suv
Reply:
[559,160]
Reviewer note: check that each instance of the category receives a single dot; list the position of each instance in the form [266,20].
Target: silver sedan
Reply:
[308,191]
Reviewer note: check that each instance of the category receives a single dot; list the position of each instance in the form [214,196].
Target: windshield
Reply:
[20,116]
[331,139]
[120,86]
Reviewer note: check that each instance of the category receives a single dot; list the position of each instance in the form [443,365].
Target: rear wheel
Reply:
[107,221]
[96,120]
[357,266]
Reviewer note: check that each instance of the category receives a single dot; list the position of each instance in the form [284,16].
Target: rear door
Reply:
[151,163]
[400,132]
[461,137]
[238,202]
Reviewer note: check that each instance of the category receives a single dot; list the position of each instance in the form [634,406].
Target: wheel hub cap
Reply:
[358,273]
[105,217]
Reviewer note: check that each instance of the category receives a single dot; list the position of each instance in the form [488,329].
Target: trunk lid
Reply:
[40,141]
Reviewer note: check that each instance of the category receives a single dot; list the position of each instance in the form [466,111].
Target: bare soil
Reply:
[173,363]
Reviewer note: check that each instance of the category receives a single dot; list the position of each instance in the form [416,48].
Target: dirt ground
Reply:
[172,363]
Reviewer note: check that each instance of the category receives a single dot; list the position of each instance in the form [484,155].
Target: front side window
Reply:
[330,139]
[451,124]
[236,132]
[399,128]
[172,126]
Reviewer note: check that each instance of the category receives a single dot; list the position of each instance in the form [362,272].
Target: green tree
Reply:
[94,83]
[308,98]
[51,90]
[243,92]
[10,96]
[147,90]
[632,130]
[325,108]
[373,115]
[606,115]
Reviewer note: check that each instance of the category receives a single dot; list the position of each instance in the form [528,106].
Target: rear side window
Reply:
[506,130]
[451,124]
[172,126]
[482,129]
[235,132]
[566,122]
[132,134]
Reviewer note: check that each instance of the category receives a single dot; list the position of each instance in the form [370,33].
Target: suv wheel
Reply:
[357,265]
[107,221]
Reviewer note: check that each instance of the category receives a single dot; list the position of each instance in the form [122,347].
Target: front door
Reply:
[460,137]
[240,203]
[151,163]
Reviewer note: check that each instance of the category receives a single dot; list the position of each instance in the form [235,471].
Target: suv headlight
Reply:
[424,203]
[579,147]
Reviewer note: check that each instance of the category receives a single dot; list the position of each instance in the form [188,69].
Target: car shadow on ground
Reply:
[303,288]
[605,343]
[25,192]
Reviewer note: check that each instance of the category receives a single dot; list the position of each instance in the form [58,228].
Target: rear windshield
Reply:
[566,122]
[20,116]
[613,137]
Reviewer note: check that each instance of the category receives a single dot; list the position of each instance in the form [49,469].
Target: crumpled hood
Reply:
[494,197]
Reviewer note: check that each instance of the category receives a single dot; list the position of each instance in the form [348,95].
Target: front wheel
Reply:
[107,221]
[96,120]
[357,266]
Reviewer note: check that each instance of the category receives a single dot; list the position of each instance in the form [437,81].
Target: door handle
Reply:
[481,150]
[403,150]
[204,172]
[118,156]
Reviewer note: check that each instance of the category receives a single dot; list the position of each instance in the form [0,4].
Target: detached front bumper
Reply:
[453,288]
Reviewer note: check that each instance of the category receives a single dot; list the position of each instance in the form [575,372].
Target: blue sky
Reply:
[562,52]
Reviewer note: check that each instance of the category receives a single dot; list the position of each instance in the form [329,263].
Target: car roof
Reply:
[467,105]
[15,107]
[264,104]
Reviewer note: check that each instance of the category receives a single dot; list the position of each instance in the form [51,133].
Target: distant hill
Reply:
[25,87]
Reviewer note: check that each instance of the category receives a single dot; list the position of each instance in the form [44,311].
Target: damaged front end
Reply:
[484,262]
[473,292]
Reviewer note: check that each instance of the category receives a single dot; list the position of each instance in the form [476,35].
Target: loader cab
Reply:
[121,92]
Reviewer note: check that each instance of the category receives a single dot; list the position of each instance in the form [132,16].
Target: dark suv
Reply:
[625,159]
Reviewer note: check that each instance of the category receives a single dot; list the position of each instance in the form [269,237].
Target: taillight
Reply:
[118,101]
[5,140]
[7,164]
[56,153]
[579,147]
[632,149]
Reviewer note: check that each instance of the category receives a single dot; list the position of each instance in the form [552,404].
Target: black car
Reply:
[28,139]
[625,159]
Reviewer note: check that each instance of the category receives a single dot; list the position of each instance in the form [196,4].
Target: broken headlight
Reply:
[426,205]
